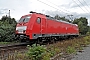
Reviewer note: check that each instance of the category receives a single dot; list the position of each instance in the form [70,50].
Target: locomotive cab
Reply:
[22,25]
[21,28]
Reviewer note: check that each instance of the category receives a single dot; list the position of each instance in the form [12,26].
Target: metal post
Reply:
[9,13]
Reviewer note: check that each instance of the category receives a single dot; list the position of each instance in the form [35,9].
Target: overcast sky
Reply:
[77,8]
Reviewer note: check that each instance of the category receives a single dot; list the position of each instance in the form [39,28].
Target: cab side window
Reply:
[38,20]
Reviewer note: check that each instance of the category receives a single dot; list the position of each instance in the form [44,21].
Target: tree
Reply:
[82,24]
[82,19]
[7,28]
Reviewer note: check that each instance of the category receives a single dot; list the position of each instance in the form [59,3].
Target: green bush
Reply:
[36,52]
[6,32]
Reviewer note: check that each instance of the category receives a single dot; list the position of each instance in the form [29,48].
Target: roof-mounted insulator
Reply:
[32,12]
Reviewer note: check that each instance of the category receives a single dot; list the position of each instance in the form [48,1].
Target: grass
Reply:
[71,46]
[5,43]
[71,50]
[16,56]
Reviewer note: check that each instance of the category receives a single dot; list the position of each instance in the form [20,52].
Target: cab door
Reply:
[43,26]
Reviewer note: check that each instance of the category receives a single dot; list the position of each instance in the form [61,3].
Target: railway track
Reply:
[9,50]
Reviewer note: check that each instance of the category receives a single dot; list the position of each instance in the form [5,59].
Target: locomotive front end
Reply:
[21,28]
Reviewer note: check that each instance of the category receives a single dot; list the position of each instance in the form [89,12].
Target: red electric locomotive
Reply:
[37,25]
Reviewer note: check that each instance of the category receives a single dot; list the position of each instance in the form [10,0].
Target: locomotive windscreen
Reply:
[24,19]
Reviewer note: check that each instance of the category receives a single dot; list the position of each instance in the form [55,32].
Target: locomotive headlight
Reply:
[21,29]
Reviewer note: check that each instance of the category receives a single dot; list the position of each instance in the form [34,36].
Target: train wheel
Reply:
[39,41]
[52,40]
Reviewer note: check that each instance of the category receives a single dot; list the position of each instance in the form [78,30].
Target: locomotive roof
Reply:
[52,18]
[66,22]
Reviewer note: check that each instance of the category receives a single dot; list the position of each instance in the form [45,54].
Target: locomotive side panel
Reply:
[53,27]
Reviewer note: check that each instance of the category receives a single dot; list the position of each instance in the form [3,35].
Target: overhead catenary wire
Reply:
[84,6]
[86,3]
[78,5]
[57,6]
[64,9]
[52,6]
